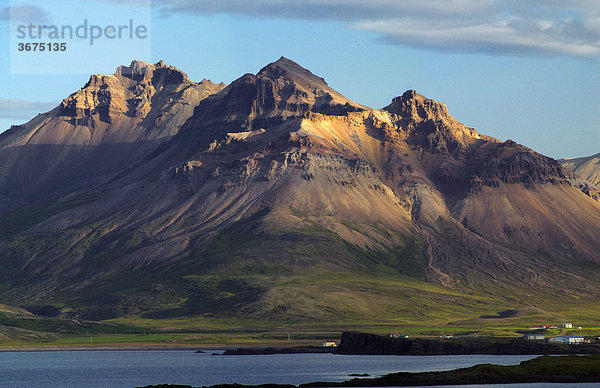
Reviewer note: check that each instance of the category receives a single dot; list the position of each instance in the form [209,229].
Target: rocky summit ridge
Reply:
[279,91]
[277,197]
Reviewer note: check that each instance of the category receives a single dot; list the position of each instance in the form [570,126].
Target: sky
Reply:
[526,70]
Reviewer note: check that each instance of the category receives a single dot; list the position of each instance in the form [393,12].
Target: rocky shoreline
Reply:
[278,350]
[364,343]
[374,344]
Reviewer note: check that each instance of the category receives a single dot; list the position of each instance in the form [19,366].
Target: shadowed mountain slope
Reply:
[97,131]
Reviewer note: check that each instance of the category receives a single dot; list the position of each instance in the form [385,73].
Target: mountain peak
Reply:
[283,62]
[414,105]
[141,71]
[279,91]
[130,92]
[136,67]
[286,68]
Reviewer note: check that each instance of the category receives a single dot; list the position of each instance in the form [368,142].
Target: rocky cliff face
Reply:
[277,182]
[128,92]
[509,162]
[161,94]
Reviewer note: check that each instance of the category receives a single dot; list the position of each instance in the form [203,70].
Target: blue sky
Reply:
[521,70]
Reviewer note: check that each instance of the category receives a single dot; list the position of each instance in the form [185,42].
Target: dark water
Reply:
[137,368]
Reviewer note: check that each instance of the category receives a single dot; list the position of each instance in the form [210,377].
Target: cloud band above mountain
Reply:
[20,109]
[505,27]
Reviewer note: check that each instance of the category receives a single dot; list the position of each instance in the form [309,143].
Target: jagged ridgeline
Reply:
[275,197]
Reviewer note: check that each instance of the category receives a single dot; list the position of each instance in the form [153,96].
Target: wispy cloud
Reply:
[13,108]
[531,27]
[25,13]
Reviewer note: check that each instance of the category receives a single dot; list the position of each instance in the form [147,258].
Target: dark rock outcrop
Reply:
[509,162]
[363,343]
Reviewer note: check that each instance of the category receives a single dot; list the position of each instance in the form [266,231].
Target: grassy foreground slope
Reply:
[306,275]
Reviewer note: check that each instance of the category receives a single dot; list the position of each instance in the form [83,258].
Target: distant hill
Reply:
[588,168]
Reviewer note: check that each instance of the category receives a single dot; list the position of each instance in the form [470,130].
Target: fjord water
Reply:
[95,369]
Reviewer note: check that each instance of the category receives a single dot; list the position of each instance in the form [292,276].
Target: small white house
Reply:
[567,339]
[534,337]
[567,325]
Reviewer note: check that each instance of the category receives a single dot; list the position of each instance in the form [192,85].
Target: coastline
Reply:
[351,343]
[543,369]
[209,346]
[71,348]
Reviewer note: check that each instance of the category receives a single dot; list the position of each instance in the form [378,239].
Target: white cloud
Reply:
[513,36]
[14,108]
[523,27]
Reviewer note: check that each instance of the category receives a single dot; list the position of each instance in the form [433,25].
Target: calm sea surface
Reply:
[137,368]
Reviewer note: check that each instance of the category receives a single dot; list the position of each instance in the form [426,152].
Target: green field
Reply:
[403,305]
[21,330]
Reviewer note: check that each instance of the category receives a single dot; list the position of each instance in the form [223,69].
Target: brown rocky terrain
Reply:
[276,197]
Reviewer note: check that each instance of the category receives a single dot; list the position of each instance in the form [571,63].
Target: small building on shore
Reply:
[534,337]
[567,339]
[328,343]
[543,327]
[567,325]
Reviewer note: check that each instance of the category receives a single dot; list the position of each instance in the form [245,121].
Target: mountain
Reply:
[97,131]
[278,198]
